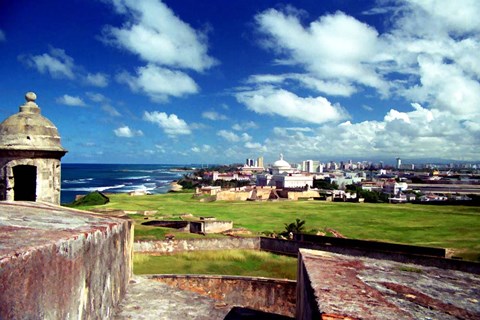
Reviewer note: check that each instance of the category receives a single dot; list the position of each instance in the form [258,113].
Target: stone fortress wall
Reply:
[60,263]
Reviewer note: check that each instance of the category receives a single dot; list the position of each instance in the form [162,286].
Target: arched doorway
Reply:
[25,183]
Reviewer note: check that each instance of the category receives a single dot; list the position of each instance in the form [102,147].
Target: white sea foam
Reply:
[83,180]
[91,189]
[134,178]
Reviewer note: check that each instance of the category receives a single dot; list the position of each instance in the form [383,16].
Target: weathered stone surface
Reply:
[333,284]
[59,263]
[173,246]
[270,295]
[150,299]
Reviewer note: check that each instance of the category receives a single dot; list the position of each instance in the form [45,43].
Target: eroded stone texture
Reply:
[59,263]
[333,284]
[270,295]
[175,246]
[150,299]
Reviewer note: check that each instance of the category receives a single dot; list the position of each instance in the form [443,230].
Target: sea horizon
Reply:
[83,178]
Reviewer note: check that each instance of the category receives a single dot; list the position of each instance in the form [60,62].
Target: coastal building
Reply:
[260,162]
[283,176]
[30,153]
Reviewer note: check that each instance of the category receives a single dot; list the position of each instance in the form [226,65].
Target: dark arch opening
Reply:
[25,183]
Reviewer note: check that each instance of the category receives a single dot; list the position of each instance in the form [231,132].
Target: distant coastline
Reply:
[79,179]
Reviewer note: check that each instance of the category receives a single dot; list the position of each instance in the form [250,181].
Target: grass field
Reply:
[453,227]
[227,262]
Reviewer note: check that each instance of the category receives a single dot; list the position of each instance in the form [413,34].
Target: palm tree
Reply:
[295,227]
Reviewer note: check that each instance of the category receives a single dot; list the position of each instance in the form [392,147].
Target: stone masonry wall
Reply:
[174,246]
[269,295]
[59,263]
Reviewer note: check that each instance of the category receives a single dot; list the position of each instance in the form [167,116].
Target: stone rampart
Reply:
[60,263]
[175,246]
[234,195]
[269,295]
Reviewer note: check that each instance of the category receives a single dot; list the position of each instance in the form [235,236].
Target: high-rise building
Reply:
[260,162]
[399,163]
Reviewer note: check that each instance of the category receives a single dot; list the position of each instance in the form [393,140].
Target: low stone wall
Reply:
[59,263]
[295,195]
[357,248]
[234,195]
[175,246]
[269,295]
[215,226]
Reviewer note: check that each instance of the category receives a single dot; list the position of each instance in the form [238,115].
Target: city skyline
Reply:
[215,82]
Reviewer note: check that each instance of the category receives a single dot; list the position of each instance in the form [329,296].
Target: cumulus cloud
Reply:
[420,132]
[126,132]
[332,87]
[336,47]
[204,148]
[59,65]
[233,137]
[244,126]
[159,83]
[269,100]
[255,145]
[68,100]
[56,63]
[112,111]
[432,54]
[96,97]
[97,79]
[171,124]
[213,115]
[154,33]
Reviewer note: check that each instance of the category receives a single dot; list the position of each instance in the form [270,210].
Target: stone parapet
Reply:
[269,295]
[60,263]
[175,246]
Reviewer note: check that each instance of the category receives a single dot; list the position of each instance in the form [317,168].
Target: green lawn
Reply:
[226,262]
[454,227]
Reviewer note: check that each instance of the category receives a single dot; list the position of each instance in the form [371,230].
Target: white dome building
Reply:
[281,166]
[283,176]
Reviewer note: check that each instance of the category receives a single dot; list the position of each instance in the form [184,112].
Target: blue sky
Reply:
[187,81]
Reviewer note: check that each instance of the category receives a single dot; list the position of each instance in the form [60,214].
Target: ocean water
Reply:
[116,178]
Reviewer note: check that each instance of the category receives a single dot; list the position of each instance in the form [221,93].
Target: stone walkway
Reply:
[150,299]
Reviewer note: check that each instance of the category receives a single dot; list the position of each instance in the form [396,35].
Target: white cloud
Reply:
[268,100]
[213,115]
[244,126]
[96,97]
[228,135]
[255,145]
[336,47]
[419,133]
[57,63]
[97,79]
[432,51]
[126,132]
[112,111]
[204,148]
[157,35]
[2,36]
[233,137]
[159,83]
[330,87]
[73,101]
[171,124]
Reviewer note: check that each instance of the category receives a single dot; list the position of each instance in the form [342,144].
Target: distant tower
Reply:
[30,153]
[399,163]
[260,162]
